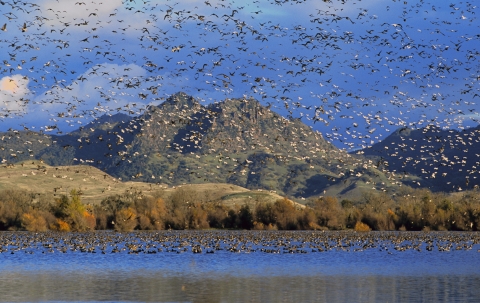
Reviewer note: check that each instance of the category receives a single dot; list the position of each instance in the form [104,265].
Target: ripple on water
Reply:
[254,266]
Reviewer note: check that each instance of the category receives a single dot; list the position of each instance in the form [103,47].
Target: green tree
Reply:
[245,217]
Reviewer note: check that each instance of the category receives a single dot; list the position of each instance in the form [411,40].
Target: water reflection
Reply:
[378,273]
[228,288]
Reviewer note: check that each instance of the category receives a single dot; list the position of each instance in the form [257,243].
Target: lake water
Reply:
[235,266]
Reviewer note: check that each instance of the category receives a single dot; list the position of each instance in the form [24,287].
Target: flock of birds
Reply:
[354,71]
[210,242]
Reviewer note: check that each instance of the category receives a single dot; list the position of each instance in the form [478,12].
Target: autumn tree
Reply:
[34,221]
[13,203]
[125,219]
[265,213]
[376,206]
[72,212]
[329,212]
[285,214]
[151,213]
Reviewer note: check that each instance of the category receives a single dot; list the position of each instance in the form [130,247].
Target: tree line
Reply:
[414,209]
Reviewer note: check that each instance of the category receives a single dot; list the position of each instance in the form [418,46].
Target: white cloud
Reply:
[13,95]
[103,82]
[75,10]
[103,89]
[468,120]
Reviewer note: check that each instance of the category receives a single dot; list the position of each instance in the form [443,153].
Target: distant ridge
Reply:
[181,141]
[447,160]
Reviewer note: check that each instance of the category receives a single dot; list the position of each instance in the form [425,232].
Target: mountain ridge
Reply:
[235,141]
[446,159]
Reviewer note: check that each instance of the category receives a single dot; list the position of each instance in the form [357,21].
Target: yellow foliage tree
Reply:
[285,214]
[329,212]
[125,219]
[197,217]
[73,212]
[34,221]
[62,225]
[359,226]
[90,220]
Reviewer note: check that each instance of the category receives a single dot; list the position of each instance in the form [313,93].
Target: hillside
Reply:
[38,177]
[237,141]
[42,179]
[446,160]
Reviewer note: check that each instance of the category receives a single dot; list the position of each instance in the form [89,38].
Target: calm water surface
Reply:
[244,267]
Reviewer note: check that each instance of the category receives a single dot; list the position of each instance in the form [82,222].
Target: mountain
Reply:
[237,141]
[104,122]
[446,160]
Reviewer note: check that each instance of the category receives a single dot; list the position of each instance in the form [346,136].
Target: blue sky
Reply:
[354,70]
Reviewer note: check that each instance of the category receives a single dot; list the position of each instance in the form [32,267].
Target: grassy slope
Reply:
[96,185]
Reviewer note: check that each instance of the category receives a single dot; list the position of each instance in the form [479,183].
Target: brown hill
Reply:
[42,179]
